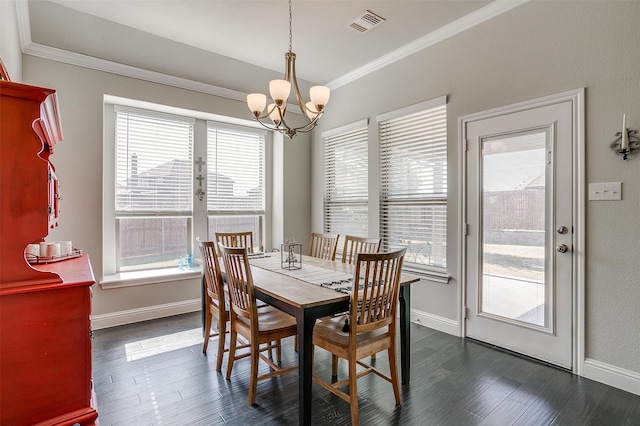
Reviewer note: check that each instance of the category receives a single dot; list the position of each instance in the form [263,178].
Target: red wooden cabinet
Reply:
[45,343]
[45,349]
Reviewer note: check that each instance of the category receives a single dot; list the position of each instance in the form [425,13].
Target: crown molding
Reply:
[493,9]
[479,16]
[98,64]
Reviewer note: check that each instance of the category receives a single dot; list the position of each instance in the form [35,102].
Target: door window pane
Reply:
[513,222]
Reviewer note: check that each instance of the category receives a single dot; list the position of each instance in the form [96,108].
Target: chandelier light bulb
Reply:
[256,103]
[279,90]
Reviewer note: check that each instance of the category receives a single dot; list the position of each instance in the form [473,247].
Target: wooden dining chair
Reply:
[354,245]
[323,245]
[261,327]
[371,329]
[217,306]
[236,239]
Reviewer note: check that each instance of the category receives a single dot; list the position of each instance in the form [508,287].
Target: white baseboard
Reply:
[611,375]
[445,325]
[143,314]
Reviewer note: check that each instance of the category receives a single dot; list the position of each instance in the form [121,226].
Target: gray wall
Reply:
[538,49]
[10,41]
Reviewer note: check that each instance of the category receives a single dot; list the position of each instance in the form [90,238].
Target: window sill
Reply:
[136,278]
[441,277]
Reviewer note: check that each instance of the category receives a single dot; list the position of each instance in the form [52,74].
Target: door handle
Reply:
[562,248]
[562,230]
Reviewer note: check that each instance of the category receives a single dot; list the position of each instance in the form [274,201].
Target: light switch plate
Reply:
[605,191]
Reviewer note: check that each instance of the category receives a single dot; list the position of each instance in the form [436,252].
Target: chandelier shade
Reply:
[280,90]
[319,95]
[256,102]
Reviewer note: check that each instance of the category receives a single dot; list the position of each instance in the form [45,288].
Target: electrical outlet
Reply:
[605,191]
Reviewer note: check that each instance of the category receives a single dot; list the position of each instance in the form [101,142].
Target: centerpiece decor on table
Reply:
[291,254]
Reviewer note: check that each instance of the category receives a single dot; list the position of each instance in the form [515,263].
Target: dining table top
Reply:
[296,291]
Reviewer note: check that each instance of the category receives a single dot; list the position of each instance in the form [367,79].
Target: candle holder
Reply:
[633,143]
[291,255]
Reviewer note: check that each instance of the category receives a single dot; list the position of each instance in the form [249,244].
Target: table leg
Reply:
[306,322]
[405,333]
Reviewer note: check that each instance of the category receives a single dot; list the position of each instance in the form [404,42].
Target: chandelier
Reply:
[280,90]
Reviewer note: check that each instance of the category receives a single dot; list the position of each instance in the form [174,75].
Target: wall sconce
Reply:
[627,141]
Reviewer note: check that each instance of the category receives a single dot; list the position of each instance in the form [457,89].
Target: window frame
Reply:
[332,139]
[199,222]
[260,213]
[181,209]
[436,273]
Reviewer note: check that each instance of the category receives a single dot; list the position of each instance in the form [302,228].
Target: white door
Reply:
[518,256]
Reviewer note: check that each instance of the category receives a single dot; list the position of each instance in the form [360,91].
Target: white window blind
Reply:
[153,190]
[235,170]
[413,166]
[154,163]
[346,205]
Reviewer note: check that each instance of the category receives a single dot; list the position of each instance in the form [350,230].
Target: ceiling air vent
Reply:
[365,22]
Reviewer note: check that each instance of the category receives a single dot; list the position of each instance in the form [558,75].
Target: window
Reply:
[413,184]
[235,180]
[171,175]
[346,175]
[153,203]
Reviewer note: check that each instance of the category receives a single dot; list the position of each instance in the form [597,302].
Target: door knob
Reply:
[562,248]
[562,230]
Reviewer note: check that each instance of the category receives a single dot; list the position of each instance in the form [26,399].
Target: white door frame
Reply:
[578,204]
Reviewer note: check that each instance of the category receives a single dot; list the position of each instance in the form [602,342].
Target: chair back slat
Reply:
[354,245]
[236,239]
[374,299]
[212,274]
[239,282]
[323,246]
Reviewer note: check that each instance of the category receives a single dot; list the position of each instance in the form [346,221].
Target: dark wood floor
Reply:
[453,382]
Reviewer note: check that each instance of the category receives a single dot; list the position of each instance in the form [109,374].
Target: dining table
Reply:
[318,288]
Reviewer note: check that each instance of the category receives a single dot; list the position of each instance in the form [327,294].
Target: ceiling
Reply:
[204,40]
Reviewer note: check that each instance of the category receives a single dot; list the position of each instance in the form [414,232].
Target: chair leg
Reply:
[279,351]
[222,332]
[232,352]
[253,377]
[353,392]
[334,368]
[394,374]
[207,331]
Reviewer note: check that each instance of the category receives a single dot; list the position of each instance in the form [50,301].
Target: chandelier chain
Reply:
[290,20]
